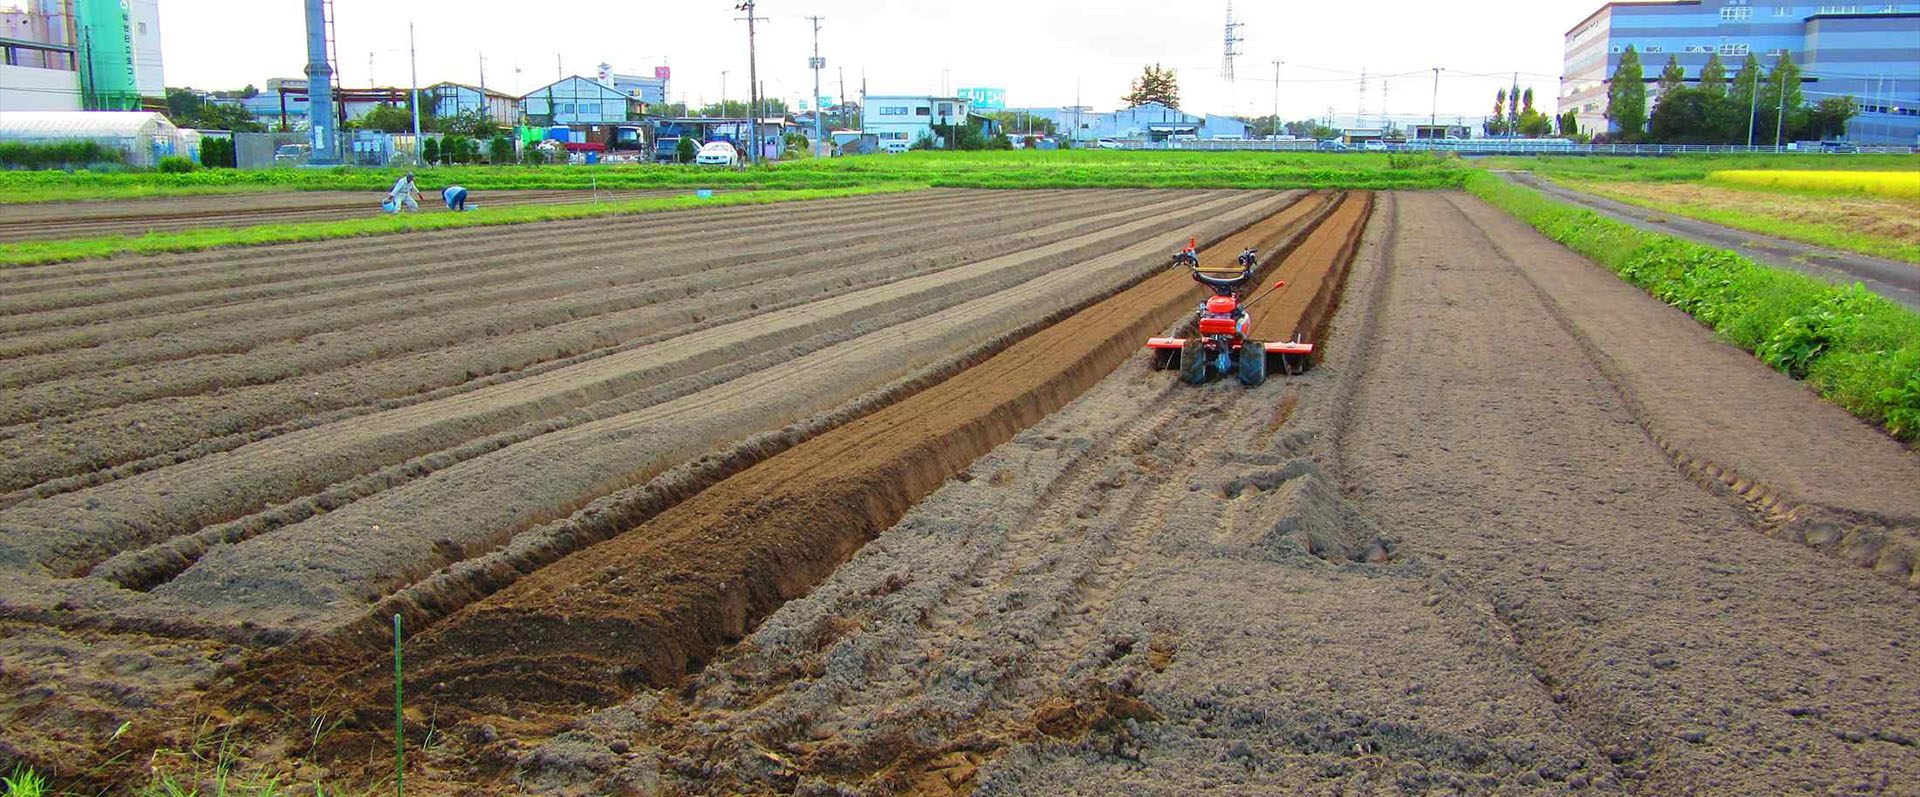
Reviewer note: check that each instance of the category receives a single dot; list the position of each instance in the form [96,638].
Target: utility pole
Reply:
[413,61]
[1275,132]
[483,78]
[819,113]
[1780,119]
[559,71]
[1753,105]
[843,97]
[1433,115]
[753,81]
[723,92]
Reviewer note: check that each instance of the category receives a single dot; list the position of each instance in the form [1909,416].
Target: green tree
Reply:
[1000,141]
[471,124]
[1684,116]
[685,151]
[1736,120]
[500,150]
[1784,97]
[1154,85]
[1569,124]
[1829,119]
[1526,102]
[386,119]
[1497,123]
[1019,122]
[1673,77]
[1534,124]
[430,150]
[1713,76]
[1627,98]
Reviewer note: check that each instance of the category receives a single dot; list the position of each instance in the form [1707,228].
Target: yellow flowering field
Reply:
[1900,185]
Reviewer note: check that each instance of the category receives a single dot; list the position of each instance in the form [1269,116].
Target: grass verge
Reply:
[1693,168]
[1857,349]
[39,252]
[1798,216]
[1018,169]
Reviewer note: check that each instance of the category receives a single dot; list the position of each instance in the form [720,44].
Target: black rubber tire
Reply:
[1193,362]
[1252,365]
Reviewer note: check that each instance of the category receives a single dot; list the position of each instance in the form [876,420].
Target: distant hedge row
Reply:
[1856,348]
[54,155]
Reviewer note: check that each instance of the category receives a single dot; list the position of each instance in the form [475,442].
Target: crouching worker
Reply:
[455,197]
[404,194]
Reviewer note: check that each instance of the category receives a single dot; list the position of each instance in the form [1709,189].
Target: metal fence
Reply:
[1516,147]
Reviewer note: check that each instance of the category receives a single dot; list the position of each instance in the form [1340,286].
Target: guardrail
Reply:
[1517,147]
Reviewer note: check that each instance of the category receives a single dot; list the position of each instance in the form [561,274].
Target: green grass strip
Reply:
[1775,226]
[39,252]
[1857,349]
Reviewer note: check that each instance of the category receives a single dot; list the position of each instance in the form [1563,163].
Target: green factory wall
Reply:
[107,78]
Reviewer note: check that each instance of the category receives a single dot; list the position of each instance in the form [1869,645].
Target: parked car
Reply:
[291,154]
[1331,145]
[1373,146]
[1107,143]
[718,153]
[1839,147]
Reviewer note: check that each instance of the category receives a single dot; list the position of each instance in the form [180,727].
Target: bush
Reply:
[174,164]
[56,154]
[686,151]
[1856,348]
[429,150]
[500,150]
[217,153]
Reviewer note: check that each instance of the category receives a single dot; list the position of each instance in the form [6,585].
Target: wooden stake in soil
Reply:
[399,725]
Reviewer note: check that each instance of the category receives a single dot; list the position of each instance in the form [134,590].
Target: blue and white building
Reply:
[909,118]
[1869,51]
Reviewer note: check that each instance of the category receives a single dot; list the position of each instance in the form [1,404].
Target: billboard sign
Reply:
[985,99]
[663,72]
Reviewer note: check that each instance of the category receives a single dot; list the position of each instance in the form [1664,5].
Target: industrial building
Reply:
[453,99]
[650,90]
[81,55]
[1870,52]
[1147,122]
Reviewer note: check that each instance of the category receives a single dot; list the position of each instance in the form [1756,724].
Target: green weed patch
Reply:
[37,252]
[1020,169]
[1857,349]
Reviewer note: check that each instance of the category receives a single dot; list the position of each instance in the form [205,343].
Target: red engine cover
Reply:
[1217,326]
[1222,305]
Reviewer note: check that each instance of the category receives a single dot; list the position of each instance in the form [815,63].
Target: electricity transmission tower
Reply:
[1233,46]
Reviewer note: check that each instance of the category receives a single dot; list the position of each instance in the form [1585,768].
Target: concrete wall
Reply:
[26,88]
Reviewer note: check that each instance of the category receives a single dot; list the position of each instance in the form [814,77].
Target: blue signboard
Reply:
[985,99]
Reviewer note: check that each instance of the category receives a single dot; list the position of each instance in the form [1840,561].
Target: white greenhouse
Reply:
[144,136]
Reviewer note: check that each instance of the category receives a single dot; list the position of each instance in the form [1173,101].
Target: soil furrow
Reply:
[308,254]
[210,422]
[200,493]
[538,250]
[804,510]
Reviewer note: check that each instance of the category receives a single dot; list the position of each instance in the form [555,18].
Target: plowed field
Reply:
[252,446]
[882,495]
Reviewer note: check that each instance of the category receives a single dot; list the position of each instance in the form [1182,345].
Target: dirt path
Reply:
[1890,278]
[136,217]
[1449,560]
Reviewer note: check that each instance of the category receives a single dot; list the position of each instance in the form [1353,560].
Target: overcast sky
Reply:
[1041,53]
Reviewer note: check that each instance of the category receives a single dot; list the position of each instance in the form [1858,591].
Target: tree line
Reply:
[1751,107]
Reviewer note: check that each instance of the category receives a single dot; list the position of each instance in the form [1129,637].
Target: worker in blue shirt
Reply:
[455,197]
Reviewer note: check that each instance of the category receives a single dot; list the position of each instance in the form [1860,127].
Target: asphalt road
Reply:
[1890,278]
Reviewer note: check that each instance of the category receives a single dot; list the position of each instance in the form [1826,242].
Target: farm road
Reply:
[1893,279]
